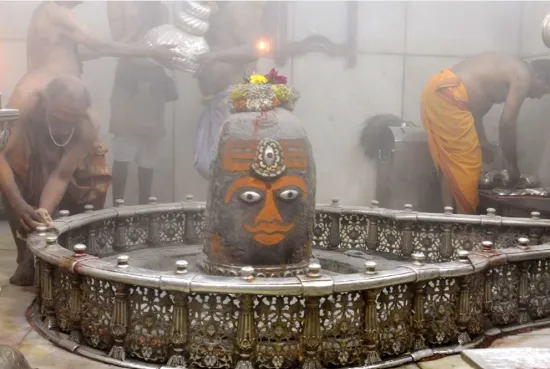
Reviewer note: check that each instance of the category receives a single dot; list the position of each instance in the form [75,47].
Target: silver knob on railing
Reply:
[64,213]
[122,261]
[535,215]
[152,200]
[51,240]
[418,258]
[79,250]
[314,270]
[491,212]
[181,266]
[375,203]
[88,208]
[448,210]
[335,202]
[370,267]
[119,203]
[463,256]
[189,197]
[523,243]
[408,207]
[41,230]
[487,246]
[247,273]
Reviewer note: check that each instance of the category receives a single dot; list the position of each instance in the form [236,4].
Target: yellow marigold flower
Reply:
[258,80]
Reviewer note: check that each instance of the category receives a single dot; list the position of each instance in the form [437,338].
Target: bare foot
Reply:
[24,275]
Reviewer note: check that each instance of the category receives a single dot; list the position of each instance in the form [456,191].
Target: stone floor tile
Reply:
[7,265]
[449,362]
[14,302]
[408,366]
[48,356]
[541,341]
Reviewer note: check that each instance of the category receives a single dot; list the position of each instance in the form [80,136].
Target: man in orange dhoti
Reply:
[453,105]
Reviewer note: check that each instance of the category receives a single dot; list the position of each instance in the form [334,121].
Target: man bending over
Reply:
[453,105]
[52,160]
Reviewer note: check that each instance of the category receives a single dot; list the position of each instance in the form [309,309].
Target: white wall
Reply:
[401,45]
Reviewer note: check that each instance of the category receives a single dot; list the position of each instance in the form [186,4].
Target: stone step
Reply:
[508,358]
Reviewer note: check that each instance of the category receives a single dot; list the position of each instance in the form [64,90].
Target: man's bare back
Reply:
[487,78]
[47,45]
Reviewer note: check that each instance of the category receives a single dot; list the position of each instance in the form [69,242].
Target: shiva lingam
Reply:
[260,277]
[261,198]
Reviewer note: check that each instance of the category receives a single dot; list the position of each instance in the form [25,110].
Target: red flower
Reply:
[274,78]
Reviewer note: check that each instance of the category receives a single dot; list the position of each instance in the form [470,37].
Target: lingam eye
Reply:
[289,195]
[250,197]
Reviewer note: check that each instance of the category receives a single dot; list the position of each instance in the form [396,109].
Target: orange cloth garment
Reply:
[452,137]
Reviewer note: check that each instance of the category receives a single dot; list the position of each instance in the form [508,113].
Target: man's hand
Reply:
[46,218]
[513,177]
[164,52]
[29,218]
[207,58]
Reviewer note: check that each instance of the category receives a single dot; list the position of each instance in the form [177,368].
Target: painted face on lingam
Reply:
[260,209]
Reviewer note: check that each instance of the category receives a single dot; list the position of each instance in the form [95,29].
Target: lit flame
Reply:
[263,46]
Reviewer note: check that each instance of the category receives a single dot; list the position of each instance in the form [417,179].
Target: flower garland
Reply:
[260,93]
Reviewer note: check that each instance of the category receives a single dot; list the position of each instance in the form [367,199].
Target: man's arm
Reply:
[71,28]
[480,129]
[518,90]
[28,219]
[57,183]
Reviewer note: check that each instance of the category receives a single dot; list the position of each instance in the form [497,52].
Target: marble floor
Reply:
[41,354]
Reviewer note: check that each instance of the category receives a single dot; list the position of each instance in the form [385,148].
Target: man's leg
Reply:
[24,274]
[124,151]
[146,159]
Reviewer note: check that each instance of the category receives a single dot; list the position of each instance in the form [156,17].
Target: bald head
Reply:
[66,101]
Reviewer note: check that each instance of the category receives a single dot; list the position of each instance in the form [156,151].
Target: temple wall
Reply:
[401,45]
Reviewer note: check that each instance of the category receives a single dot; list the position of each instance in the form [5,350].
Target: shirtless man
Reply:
[453,105]
[52,158]
[235,28]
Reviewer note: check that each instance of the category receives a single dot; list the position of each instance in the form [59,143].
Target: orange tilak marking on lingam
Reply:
[268,226]
[238,155]
[216,247]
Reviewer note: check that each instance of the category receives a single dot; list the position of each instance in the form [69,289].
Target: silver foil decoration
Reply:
[188,46]
[534,192]
[546,30]
[196,9]
[500,179]
[191,25]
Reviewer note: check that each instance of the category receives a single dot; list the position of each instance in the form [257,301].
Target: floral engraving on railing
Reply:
[394,309]
[539,288]
[476,284]
[105,231]
[321,231]
[62,293]
[279,321]
[427,239]
[342,319]
[389,236]
[136,231]
[172,228]
[505,287]
[98,298]
[150,322]
[440,312]
[213,320]
[466,237]
[508,236]
[353,231]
